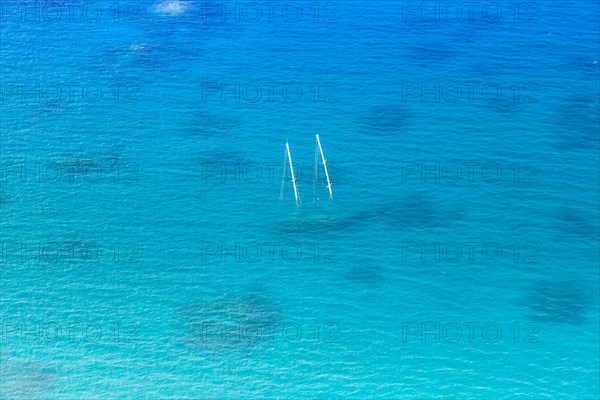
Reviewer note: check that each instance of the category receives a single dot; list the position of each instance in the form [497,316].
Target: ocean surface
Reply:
[149,250]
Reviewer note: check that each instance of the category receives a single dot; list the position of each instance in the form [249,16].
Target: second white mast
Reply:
[324,167]
[287,146]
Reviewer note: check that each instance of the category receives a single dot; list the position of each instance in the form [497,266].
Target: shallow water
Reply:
[146,254]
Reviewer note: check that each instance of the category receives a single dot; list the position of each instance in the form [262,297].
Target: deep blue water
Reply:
[145,250]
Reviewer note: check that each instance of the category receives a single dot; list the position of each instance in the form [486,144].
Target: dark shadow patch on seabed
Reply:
[316,230]
[414,211]
[211,126]
[369,275]
[574,222]
[563,302]
[426,54]
[164,57]
[25,380]
[214,327]
[501,100]
[48,108]
[410,212]
[386,120]
[578,124]
[584,66]
[105,163]
[110,61]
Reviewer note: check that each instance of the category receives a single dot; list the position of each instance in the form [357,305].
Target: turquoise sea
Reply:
[145,250]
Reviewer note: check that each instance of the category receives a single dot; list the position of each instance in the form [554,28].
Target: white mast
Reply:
[287,146]
[283,177]
[324,167]
[316,173]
